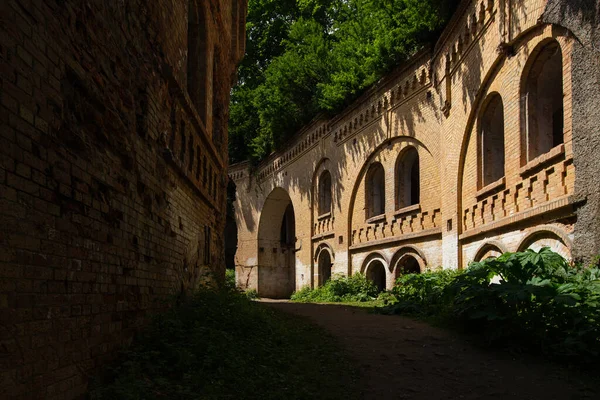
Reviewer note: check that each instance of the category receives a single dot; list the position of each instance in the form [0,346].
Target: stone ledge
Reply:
[492,187]
[408,210]
[376,219]
[542,160]
[566,201]
[393,239]
[321,236]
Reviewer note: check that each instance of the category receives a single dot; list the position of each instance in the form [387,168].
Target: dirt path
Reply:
[400,358]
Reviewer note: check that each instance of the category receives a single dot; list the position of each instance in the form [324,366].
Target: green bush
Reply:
[422,294]
[230,283]
[533,300]
[356,288]
[252,294]
[220,345]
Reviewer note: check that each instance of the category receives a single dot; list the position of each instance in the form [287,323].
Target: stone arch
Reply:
[408,258]
[324,258]
[198,57]
[547,235]
[375,190]
[407,178]
[492,248]
[490,140]
[276,246]
[542,108]
[374,268]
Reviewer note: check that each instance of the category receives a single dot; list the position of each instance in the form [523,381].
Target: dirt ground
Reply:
[400,358]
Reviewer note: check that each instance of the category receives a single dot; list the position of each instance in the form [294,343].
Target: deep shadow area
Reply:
[401,358]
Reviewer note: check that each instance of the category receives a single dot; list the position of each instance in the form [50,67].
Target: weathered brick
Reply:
[78,180]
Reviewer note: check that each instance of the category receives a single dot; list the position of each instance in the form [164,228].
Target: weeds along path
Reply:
[400,358]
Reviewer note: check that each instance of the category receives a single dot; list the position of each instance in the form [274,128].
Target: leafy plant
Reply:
[356,288]
[534,300]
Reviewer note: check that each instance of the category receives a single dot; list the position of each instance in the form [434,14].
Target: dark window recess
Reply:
[191,151]
[183,142]
[198,163]
[207,240]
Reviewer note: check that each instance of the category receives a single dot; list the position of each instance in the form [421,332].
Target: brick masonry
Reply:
[435,104]
[112,175]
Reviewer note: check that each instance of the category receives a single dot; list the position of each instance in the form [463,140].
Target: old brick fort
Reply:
[114,167]
[485,143]
[113,160]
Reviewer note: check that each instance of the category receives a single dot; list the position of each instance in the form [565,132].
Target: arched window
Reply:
[408,180]
[542,102]
[197,66]
[375,190]
[491,141]
[324,267]
[324,193]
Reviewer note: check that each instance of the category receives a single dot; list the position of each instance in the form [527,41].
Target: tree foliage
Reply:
[305,57]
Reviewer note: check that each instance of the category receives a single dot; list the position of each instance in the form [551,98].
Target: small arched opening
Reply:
[491,141]
[542,110]
[375,185]
[376,274]
[408,186]
[324,193]
[325,265]
[408,264]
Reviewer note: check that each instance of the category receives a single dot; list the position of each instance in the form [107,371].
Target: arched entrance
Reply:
[376,273]
[324,267]
[407,265]
[276,246]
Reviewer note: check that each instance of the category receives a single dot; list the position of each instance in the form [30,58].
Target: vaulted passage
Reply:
[276,246]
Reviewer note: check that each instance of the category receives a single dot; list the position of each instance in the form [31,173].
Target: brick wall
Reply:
[112,189]
[432,103]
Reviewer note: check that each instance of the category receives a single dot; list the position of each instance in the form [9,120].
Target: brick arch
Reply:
[490,133]
[487,80]
[363,169]
[370,266]
[403,181]
[489,246]
[276,245]
[547,232]
[408,251]
[374,256]
[321,166]
[324,247]
[536,140]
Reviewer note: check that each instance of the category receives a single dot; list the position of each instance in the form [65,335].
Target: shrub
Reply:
[531,299]
[356,288]
[230,283]
[422,294]
[540,301]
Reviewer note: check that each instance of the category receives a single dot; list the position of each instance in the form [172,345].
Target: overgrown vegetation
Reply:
[356,288]
[305,57]
[220,345]
[535,301]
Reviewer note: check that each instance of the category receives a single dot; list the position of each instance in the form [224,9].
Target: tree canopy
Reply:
[306,57]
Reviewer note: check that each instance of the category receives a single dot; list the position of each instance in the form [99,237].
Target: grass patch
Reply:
[221,345]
